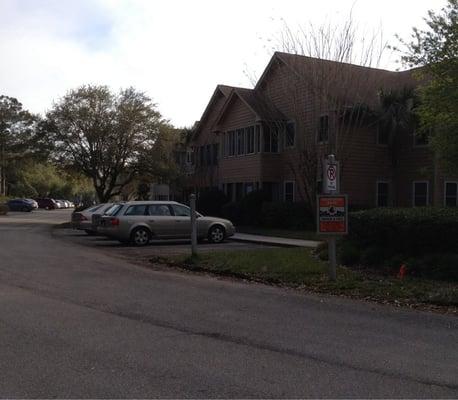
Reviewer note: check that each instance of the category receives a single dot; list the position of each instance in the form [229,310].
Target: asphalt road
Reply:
[78,322]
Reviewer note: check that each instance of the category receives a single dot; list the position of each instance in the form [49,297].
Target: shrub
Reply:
[406,230]
[210,202]
[4,209]
[251,207]
[434,266]
[286,215]
[349,253]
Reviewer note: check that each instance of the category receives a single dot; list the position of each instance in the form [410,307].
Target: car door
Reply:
[182,221]
[160,220]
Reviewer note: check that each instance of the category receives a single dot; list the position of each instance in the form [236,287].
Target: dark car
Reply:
[48,204]
[20,205]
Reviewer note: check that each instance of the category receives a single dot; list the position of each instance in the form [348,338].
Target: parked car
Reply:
[46,203]
[82,220]
[97,216]
[20,205]
[33,202]
[138,222]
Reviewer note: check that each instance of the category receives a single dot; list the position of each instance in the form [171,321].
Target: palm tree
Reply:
[395,116]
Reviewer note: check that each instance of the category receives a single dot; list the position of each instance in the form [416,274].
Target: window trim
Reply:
[294,190]
[445,192]
[377,192]
[413,193]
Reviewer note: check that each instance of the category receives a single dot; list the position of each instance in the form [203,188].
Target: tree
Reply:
[328,82]
[104,135]
[435,50]
[17,134]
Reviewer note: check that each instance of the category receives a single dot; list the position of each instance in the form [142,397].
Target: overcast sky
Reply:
[175,51]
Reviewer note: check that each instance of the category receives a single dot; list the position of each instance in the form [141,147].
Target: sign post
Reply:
[193,225]
[332,218]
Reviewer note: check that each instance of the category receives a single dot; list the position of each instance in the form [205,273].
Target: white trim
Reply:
[376,192]
[294,190]
[445,192]
[413,192]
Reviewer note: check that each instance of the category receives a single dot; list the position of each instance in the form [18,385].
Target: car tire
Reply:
[216,234]
[140,236]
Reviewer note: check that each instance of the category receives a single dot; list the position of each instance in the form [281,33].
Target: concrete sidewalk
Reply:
[279,241]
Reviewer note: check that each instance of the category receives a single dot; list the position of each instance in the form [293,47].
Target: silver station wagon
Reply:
[138,222]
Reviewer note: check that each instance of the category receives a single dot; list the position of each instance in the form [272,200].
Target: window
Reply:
[258,138]
[181,211]
[323,129]
[249,187]
[250,140]
[231,142]
[208,154]
[451,194]
[201,155]
[383,136]
[289,191]
[240,141]
[270,138]
[382,194]
[420,139]
[159,210]
[290,134]
[138,209]
[420,194]
[215,151]
[113,210]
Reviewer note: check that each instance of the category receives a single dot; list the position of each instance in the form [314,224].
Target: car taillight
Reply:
[82,218]
[114,221]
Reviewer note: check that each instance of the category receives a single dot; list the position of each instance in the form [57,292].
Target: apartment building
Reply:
[275,136]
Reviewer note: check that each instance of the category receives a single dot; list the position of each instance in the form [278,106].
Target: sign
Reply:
[332,214]
[331,177]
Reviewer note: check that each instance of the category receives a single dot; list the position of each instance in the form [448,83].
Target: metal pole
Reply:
[332,258]
[193,225]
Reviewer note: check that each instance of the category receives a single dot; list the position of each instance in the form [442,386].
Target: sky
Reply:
[176,51]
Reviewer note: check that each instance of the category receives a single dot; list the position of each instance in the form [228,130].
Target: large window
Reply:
[270,139]
[323,129]
[383,136]
[240,141]
[289,191]
[258,138]
[290,134]
[420,194]
[215,151]
[451,194]
[231,143]
[382,193]
[249,139]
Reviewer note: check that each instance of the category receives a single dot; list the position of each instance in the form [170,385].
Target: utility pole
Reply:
[193,225]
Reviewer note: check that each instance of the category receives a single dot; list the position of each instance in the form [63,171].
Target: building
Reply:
[275,136]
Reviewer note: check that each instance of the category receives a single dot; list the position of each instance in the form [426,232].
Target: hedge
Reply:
[424,239]
[410,230]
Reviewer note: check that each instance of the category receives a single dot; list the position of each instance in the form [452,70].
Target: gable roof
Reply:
[256,103]
[220,90]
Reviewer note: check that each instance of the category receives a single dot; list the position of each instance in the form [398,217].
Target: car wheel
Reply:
[140,236]
[216,234]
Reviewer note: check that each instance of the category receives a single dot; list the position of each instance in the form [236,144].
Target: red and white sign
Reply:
[332,214]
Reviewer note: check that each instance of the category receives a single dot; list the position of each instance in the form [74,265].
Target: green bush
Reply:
[4,209]
[425,239]
[210,202]
[286,215]
[349,253]
[406,230]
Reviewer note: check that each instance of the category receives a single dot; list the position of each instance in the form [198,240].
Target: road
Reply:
[78,322]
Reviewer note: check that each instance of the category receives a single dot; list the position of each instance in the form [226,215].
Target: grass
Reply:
[285,233]
[298,267]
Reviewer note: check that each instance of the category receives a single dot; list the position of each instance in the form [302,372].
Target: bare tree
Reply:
[324,77]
